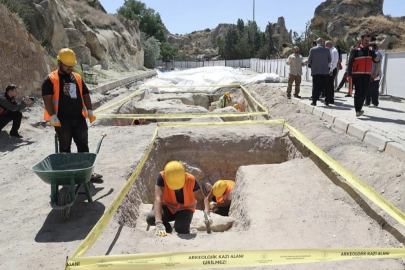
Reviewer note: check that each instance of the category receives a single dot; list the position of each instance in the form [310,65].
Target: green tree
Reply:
[243,49]
[220,46]
[241,26]
[231,39]
[151,47]
[150,21]
[168,52]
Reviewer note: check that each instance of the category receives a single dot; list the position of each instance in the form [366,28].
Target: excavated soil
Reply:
[286,198]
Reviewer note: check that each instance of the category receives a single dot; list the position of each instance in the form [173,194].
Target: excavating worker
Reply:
[176,192]
[224,100]
[220,197]
[236,106]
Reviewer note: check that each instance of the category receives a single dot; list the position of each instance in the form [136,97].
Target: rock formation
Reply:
[84,26]
[23,60]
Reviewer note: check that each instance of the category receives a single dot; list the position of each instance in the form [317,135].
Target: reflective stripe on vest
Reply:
[169,196]
[362,65]
[230,185]
[54,77]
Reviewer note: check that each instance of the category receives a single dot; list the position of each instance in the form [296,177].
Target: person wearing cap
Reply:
[176,196]
[360,67]
[68,104]
[224,100]
[220,197]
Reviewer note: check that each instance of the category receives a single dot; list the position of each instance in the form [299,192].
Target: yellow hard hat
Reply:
[236,106]
[67,57]
[219,188]
[228,94]
[175,174]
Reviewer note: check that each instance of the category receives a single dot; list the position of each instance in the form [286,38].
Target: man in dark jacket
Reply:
[10,109]
[360,66]
[319,59]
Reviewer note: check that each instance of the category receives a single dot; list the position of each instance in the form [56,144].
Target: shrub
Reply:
[207,30]
[151,47]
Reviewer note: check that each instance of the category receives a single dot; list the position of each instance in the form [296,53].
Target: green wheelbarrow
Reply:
[69,171]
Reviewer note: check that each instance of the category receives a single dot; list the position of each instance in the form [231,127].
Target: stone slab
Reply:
[328,117]
[357,131]
[342,124]
[309,108]
[317,112]
[376,140]
[395,149]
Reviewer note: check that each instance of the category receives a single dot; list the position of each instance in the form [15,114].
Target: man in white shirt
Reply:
[330,93]
[295,61]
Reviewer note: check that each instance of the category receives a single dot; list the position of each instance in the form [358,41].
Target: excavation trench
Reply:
[209,158]
[183,103]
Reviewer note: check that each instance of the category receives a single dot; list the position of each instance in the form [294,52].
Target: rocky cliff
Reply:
[345,19]
[84,26]
[23,60]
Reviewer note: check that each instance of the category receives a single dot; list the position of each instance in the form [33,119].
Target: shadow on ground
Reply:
[83,216]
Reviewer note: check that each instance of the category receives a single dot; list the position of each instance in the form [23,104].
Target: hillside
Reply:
[345,19]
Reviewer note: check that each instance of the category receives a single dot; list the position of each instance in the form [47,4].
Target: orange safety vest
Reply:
[362,65]
[169,197]
[230,185]
[54,77]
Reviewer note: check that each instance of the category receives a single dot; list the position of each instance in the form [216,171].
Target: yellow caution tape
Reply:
[187,260]
[137,92]
[233,123]
[191,86]
[352,179]
[259,104]
[108,214]
[180,115]
[227,259]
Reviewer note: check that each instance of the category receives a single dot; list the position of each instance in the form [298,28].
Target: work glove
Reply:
[91,116]
[55,121]
[212,205]
[160,229]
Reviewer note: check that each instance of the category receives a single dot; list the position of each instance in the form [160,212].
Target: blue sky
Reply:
[185,16]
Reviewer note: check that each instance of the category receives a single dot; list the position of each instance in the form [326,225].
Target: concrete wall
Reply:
[23,61]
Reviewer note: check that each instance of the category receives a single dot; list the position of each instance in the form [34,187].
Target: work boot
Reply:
[348,95]
[297,96]
[96,178]
[288,96]
[15,134]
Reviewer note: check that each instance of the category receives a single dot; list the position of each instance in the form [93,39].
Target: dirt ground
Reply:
[299,203]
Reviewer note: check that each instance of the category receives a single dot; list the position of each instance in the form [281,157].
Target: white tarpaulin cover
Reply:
[206,76]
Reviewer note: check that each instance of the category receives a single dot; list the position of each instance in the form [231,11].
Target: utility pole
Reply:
[254,33]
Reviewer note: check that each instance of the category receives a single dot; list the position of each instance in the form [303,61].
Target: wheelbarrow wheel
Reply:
[63,199]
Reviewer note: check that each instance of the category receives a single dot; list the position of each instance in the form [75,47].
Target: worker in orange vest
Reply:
[220,197]
[176,196]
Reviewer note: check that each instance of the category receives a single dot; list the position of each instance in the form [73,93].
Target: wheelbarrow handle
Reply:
[99,143]
[56,143]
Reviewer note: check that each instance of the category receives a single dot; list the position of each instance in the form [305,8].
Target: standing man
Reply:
[10,109]
[360,66]
[372,93]
[319,59]
[295,62]
[224,100]
[175,200]
[68,104]
[330,89]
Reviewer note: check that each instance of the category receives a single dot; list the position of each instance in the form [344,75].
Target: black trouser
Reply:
[319,82]
[330,89]
[182,219]
[221,210]
[9,116]
[343,81]
[372,93]
[361,83]
[72,127]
